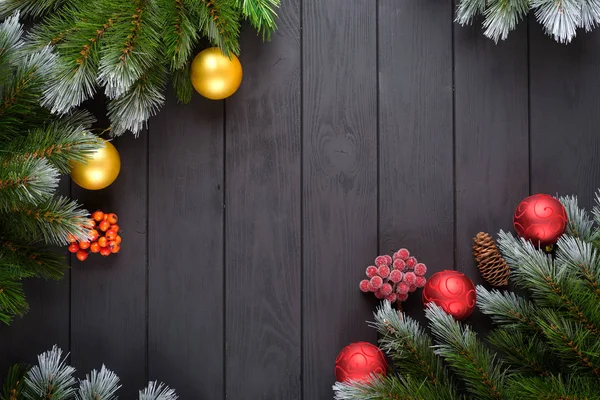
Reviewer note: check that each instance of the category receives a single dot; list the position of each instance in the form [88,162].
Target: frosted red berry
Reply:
[410,278]
[388,259]
[396,276]
[371,288]
[411,262]
[386,289]
[399,264]
[381,260]
[420,282]
[412,288]
[379,295]
[364,285]
[383,271]
[403,254]
[371,271]
[402,288]
[376,282]
[420,269]
[402,297]
[391,297]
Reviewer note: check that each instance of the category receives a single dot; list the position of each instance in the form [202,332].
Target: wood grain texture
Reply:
[47,322]
[415,138]
[491,140]
[185,331]
[564,115]
[108,294]
[263,259]
[339,181]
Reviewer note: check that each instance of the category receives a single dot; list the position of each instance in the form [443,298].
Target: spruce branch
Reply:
[26,260]
[14,383]
[26,182]
[525,354]
[157,391]
[54,219]
[409,346]
[479,368]
[261,14]
[101,385]
[393,388]
[508,309]
[51,379]
[578,222]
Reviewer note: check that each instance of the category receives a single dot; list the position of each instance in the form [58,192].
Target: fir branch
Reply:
[219,21]
[157,391]
[26,182]
[180,33]
[393,388]
[560,18]
[482,373]
[10,43]
[130,111]
[101,385]
[51,379]
[55,219]
[60,142]
[590,14]
[579,224]
[261,14]
[469,9]
[408,345]
[12,297]
[502,17]
[30,8]
[572,341]
[508,309]
[572,387]
[132,47]
[182,84]
[525,354]
[582,258]
[25,260]
[15,382]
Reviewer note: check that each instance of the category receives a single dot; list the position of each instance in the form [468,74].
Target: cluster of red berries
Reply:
[103,237]
[392,278]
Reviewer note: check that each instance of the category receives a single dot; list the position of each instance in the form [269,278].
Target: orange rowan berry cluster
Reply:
[104,237]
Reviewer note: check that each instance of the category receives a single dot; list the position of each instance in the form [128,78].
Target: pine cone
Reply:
[490,262]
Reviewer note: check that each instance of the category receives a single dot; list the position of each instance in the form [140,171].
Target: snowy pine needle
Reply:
[99,386]
[157,391]
[51,379]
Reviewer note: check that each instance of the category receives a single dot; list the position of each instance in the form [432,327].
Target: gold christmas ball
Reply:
[214,75]
[101,169]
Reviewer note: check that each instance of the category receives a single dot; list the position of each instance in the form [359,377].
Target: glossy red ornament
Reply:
[540,218]
[453,291]
[358,360]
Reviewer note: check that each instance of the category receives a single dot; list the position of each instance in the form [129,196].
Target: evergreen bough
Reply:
[52,379]
[35,148]
[544,346]
[131,48]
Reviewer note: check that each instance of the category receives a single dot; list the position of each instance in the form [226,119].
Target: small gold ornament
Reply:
[214,75]
[101,169]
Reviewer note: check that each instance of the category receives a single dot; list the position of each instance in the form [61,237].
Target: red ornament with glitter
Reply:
[540,218]
[358,361]
[451,290]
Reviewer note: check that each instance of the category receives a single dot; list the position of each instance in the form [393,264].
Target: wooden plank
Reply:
[263,229]
[415,143]
[185,336]
[339,181]
[108,294]
[564,115]
[47,322]
[491,142]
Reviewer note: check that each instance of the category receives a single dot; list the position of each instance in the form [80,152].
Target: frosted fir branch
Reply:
[409,346]
[69,88]
[51,379]
[469,9]
[393,387]
[560,18]
[26,182]
[583,260]
[508,309]
[590,14]
[502,17]
[483,374]
[30,8]
[10,43]
[101,385]
[579,224]
[157,391]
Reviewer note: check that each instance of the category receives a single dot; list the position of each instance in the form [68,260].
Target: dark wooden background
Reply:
[363,126]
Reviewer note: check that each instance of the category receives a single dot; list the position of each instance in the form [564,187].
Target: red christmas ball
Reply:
[540,218]
[358,360]
[451,290]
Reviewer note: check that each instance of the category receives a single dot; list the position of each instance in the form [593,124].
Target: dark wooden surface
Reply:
[363,126]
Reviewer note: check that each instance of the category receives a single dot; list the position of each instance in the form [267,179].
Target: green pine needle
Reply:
[25,182]
[14,382]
